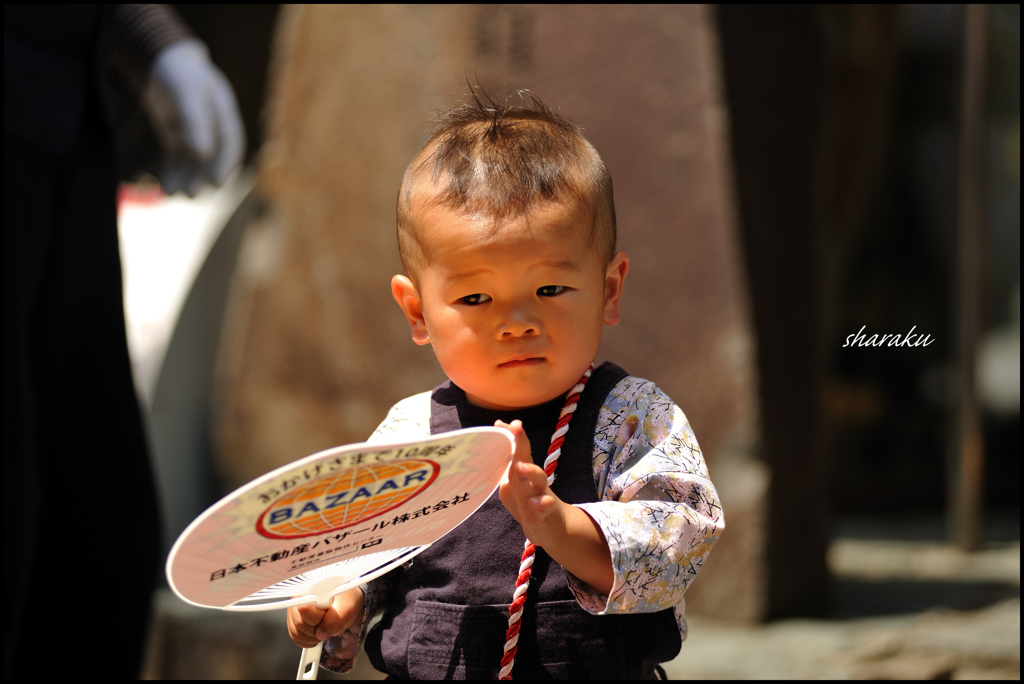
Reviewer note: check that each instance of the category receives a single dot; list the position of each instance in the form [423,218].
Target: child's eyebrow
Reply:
[563,265]
[456,277]
[560,265]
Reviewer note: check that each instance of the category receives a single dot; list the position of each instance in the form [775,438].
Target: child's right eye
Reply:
[475,299]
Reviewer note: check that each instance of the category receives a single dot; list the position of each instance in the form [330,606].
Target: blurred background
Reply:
[786,178]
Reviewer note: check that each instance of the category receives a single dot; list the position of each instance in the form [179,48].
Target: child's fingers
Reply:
[310,615]
[339,617]
[332,625]
[346,612]
[531,479]
[303,634]
[309,625]
[522,452]
[543,504]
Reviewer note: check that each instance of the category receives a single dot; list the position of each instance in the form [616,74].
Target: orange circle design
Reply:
[349,497]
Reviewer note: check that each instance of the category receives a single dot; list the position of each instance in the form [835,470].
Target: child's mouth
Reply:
[517,363]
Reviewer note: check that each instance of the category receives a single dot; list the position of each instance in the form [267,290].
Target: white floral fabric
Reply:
[657,508]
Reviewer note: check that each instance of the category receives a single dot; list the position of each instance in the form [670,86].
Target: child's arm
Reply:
[565,532]
[657,507]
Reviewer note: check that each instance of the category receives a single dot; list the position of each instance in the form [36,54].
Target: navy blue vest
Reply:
[447,612]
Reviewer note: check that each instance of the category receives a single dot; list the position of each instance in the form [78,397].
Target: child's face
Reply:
[514,316]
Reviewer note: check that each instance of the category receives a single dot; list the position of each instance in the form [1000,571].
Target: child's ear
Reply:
[405,293]
[614,279]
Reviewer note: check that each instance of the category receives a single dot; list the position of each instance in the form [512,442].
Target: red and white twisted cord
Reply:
[515,610]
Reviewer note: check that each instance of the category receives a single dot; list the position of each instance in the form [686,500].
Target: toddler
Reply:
[506,229]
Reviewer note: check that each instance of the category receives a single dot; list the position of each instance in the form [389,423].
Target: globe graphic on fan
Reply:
[351,497]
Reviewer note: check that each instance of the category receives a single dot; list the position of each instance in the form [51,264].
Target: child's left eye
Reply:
[550,290]
[475,299]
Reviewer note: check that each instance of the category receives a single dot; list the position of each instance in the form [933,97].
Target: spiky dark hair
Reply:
[500,159]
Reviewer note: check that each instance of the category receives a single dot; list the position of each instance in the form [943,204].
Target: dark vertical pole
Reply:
[776,80]
[968,453]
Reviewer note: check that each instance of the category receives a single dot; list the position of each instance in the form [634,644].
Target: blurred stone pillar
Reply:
[316,349]
[315,354]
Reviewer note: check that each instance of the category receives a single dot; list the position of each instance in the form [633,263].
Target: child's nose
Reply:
[517,323]
[517,332]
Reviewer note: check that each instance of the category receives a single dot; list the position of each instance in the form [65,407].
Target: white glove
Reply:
[194,113]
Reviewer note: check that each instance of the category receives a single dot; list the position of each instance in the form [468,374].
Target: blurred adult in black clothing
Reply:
[81,518]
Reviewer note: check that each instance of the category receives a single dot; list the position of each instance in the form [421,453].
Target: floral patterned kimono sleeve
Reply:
[658,511]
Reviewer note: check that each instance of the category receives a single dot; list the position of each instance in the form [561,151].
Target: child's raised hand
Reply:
[526,495]
[309,625]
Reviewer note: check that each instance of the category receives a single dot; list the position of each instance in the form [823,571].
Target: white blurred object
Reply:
[193,110]
[164,243]
[997,367]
